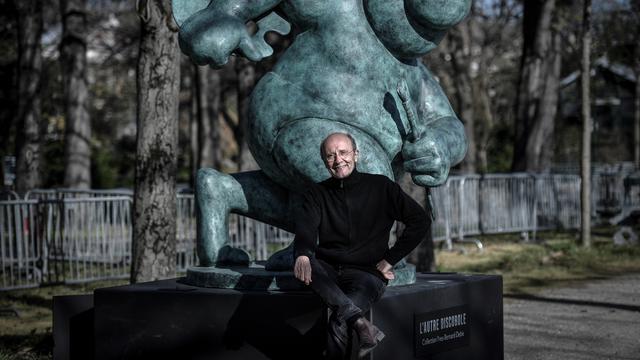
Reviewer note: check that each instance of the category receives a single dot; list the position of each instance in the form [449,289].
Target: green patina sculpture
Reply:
[353,68]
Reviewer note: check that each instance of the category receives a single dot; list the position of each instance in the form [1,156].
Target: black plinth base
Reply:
[441,316]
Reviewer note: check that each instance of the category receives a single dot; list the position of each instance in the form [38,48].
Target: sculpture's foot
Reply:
[217,194]
[230,256]
[281,261]
[405,274]
[252,277]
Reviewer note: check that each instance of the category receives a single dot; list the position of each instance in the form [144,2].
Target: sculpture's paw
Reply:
[426,161]
[281,260]
[209,38]
[230,256]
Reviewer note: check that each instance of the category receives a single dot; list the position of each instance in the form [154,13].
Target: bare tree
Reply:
[158,78]
[29,81]
[475,65]
[537,100]
[208,98]
[585,165]
[636,126]
[635,6]
[247,79]
[464,59]
[73,58]
[423,256]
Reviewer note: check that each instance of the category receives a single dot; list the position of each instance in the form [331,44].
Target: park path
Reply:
[598,319]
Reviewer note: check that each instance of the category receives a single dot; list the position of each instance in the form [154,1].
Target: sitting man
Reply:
[349,216]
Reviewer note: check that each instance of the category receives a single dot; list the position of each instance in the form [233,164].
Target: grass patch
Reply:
[26,319]
[554,259]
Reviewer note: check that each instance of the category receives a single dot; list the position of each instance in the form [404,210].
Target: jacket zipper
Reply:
[346,202]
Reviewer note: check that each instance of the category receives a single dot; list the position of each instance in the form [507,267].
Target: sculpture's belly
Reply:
[314,82]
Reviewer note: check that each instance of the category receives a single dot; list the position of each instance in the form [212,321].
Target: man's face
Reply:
[339,156]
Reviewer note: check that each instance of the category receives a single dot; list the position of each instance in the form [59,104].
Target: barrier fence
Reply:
[64,240]
[56,236]
[473,205]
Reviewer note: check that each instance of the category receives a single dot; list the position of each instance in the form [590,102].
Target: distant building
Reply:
[612,108]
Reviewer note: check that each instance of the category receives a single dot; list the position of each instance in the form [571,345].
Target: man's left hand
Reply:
[385,268]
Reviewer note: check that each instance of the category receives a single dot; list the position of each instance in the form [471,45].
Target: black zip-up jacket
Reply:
[350,220]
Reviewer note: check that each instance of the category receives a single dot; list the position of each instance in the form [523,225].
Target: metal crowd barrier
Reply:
[504,203]
[63,193]
[68,235]
[65,240]
[20,252]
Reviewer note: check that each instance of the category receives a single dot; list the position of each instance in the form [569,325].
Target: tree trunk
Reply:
[246,82]
[423,256]
[29,109]
[462,59]
[158,80]
[636,127]
[73,58]
[8,93]
[186,114]
[463,45]
[486,126]
[537,98]
[585,165]
[208,97]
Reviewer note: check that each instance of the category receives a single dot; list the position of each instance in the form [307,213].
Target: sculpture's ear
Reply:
[183,9]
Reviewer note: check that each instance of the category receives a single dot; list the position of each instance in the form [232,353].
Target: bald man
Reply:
[341,244]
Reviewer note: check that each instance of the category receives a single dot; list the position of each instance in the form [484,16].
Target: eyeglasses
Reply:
[341,153]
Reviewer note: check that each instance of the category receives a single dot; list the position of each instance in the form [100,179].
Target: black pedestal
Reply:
[442,316]
[169,320]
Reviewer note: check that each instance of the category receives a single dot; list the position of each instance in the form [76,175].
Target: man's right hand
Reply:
[302,269]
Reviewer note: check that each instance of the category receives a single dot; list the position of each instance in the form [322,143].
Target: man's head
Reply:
[340,154]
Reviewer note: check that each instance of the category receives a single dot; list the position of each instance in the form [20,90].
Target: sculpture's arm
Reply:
[436,140]
[210,34]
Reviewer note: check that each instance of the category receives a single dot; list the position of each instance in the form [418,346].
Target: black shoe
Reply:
[368,334]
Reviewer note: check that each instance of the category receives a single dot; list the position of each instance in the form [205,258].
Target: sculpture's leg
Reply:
[217,195]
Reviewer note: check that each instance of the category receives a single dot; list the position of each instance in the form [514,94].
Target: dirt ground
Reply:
[597,319]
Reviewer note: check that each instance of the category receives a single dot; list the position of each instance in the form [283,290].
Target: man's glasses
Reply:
[342,154]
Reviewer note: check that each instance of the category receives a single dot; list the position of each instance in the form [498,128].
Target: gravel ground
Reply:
[589,320]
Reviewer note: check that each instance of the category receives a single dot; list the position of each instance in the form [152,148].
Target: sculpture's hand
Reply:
[426,160]
[425,156]
[209,36]
[385,269]
[302,269]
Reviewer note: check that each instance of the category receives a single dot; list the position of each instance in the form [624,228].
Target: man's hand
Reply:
[302,269]
[385,268]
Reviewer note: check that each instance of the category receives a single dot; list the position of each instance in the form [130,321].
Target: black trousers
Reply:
[347,292]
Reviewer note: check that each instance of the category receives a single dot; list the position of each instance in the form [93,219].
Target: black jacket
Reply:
[350,220]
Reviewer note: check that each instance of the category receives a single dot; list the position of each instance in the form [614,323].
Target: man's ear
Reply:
[355,156]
